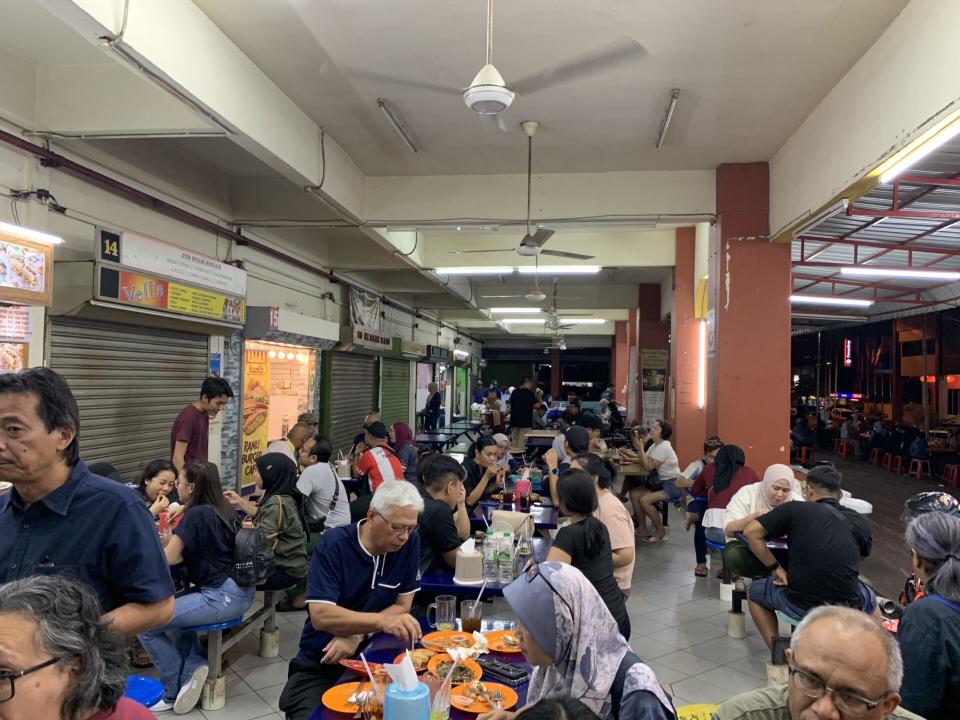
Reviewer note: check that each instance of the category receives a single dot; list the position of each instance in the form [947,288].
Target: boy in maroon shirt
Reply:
[188,438]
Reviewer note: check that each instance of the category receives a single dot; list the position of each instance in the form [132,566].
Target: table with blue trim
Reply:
[463,428]
[441,582]
[383,648]
[438,440]
[545,516]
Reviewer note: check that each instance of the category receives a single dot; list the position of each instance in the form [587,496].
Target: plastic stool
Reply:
[716,552]
[951,475]
[805,455]
[887,461]
[897,465]
[918,468]
[214,691]
[147,691]
[875,456]
[843,450]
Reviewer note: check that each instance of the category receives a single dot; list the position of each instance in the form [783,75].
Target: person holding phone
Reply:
[484,476]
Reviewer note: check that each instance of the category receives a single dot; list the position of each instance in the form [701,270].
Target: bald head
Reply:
[299,434]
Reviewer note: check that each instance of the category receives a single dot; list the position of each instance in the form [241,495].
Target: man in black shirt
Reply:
[827,541]
[445,522]
[572,415]
[522,401]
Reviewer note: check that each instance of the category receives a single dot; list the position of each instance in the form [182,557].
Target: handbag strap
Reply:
[616,690]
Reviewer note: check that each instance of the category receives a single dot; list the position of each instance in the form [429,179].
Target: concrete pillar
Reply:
[748,402]
[620,370]
[652,334]
[555,373]
[689,420]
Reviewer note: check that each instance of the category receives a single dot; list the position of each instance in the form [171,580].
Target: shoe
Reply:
[162,706]
[700,571]
[287,606]
[189,694]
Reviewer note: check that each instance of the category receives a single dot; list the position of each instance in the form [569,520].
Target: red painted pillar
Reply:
[652,334]
[555,372]
[689,420]
[748,402]
[621,361]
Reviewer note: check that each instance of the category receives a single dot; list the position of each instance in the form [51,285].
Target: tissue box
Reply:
[469,568]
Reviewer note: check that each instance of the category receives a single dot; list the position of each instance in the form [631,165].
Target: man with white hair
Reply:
[842,665]
[361,581]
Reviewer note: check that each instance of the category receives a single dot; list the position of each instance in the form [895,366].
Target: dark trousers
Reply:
[306,684]
[279,579]
[699,506]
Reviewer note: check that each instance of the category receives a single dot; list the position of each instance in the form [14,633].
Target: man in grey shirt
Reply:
[327,503]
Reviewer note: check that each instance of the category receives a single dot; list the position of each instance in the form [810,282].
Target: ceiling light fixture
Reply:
[674,94]
[473,270]
[828,316]
[829,300]
[560,269]
[906,273]
[937,136]
[396,124]
[28,234]
[523,321]
[488,94]
[517,311]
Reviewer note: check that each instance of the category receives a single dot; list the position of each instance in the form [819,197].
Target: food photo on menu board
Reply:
[13,357]
[21,267]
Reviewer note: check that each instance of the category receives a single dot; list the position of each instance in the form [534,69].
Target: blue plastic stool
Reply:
[147,691]
[211,699]
[716,549]
[225,625]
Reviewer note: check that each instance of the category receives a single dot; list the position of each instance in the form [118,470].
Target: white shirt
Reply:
[560,445]
[693,470]
[744,502]
[283,447]
[669,468]
[317,484]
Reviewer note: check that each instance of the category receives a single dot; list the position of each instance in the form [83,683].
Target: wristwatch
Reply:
[774,566]
[554,471]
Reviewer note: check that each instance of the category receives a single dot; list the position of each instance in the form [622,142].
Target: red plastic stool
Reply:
[918,468]
[805,455]
[887,461]
[875,456]
[843,450]
[951,475]
[897,466]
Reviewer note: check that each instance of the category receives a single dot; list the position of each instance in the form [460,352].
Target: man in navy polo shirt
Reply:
[60,519]
[362,580]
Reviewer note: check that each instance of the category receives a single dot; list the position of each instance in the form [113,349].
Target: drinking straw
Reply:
[482,588]
[373,680]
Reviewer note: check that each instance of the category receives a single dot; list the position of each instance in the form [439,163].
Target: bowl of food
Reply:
[420,657]
[466,670]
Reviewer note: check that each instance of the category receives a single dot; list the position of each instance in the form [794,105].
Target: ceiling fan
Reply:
[532,243]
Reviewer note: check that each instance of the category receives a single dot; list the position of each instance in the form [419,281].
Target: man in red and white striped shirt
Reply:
[378,463]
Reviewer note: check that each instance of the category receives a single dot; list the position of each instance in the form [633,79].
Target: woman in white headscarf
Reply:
[569,637]
[779,485]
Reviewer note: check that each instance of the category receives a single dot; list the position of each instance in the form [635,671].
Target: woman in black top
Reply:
[585,543]
[431,410]
[204,543]
[156,485]
[483,475]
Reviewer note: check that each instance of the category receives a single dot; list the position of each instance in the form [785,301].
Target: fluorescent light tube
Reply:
[560,269]
[582,321]
[515,311]
[909,273]
[28,234]
[828,316]
[396,125]
[473,270]
[913,153]
[829,300]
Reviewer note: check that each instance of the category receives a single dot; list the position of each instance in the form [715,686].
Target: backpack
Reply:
[252,557]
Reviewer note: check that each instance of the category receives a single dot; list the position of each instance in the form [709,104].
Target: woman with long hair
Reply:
[614,516]
[484,476]
[401,440]
[431,409]
[585,542]
[719,482]
[204,542]
[156,483]
[929,632]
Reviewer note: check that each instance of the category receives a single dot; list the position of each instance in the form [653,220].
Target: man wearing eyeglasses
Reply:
[843,666]
[362,580]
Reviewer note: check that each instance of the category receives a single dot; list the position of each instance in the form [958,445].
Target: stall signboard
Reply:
[437,354]
[15,323]
[373,339]
[413,349]
[256,410]
[653,380]
[26,271]
[155,256]
[847,352]
[134,288]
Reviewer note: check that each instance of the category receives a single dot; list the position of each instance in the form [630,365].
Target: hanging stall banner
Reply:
[133,288]
[256,408]
[155,256]
[26,271]
[653,381]
[364,309]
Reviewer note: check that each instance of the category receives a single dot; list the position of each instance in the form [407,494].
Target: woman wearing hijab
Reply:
[280,515]
[569,637]
[719,482]
[401,439]
[777,487]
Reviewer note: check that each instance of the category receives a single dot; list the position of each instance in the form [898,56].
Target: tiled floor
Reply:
[677,629]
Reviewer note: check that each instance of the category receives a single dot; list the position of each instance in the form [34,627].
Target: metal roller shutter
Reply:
[130,383]
[395,391]
[352,380]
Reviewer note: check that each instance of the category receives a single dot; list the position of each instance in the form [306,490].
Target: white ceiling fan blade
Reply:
[564,254]
[467,252]
[391,80]
[624,50]
[538,239]
[490,297]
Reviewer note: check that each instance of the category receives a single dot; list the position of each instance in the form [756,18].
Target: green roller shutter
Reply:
[395,391]
[352,384]
[461,405]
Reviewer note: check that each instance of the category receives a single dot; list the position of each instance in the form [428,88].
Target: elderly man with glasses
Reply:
[843,666]
[361,580]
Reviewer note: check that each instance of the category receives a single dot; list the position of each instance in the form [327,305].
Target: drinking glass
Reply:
[445,613]
[471,616]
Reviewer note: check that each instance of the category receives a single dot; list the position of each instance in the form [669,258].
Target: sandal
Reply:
[653,539]
[701,571]
[285,606]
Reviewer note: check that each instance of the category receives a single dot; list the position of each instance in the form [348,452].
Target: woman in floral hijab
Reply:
[568,635]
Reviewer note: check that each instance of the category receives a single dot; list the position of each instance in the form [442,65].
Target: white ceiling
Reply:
[30,32]
[749,72]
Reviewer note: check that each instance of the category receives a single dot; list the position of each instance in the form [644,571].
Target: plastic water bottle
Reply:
[490,557]
[505,559]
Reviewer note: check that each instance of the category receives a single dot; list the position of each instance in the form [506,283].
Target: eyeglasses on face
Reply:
[8,678]
[848,703]
[397,529]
